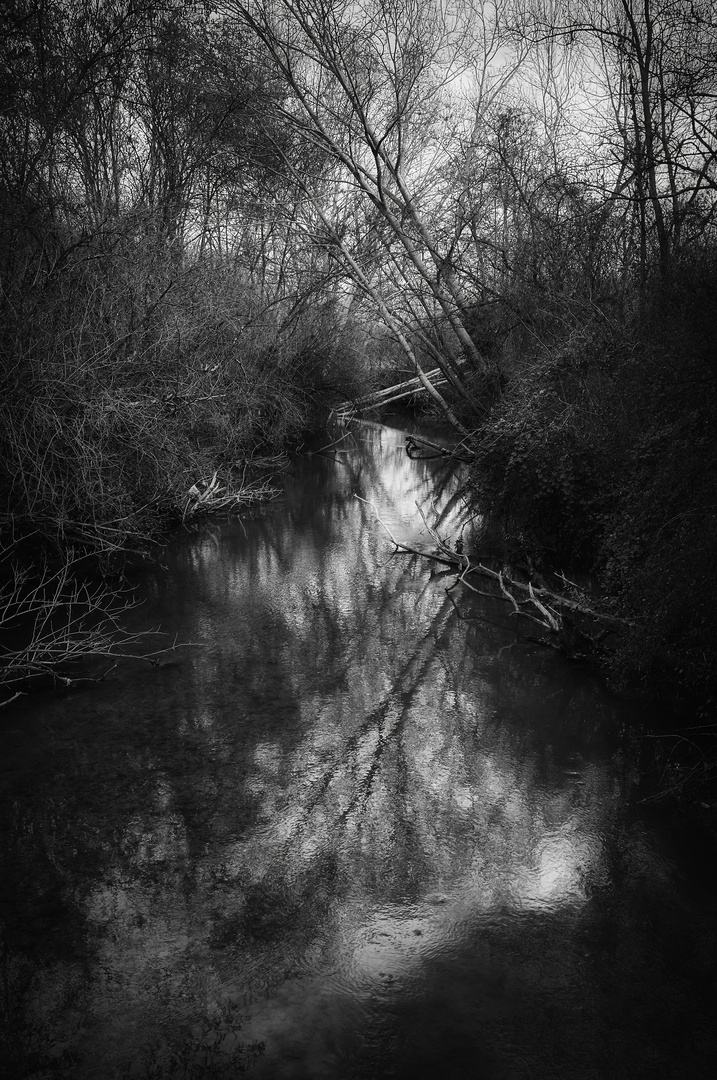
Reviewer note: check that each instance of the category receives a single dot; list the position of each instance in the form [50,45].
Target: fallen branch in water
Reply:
[551,611]
[565,602]
[62,620]
[208,496]
[536,593]
[416,447]
[400,546]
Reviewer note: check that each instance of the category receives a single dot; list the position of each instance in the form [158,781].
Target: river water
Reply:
[360,830]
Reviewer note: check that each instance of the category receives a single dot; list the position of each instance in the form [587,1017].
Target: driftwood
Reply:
[208,496]
[556,614]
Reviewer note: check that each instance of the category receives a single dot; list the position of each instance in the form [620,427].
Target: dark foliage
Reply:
[602,455]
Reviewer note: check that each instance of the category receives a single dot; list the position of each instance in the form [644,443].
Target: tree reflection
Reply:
[324,802]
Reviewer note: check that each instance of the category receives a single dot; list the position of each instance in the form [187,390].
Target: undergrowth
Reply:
[137,389]
[602,456]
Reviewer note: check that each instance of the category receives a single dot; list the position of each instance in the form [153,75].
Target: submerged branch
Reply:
[416,447]
[554,613]
[59,621]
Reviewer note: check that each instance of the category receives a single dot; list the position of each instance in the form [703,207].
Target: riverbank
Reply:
[139,395]
[601,458]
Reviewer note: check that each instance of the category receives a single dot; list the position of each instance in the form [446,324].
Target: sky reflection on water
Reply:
[373,836]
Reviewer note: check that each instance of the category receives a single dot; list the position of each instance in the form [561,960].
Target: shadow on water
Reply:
[350,835]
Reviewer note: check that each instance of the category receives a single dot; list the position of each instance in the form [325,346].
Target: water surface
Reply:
[361,830]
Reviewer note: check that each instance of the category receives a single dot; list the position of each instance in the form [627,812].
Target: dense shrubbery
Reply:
[127,378]
[130,381]
[658,554]
[544,459]
[603,454]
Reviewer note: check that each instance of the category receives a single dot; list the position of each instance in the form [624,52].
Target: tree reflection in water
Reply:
[351,835]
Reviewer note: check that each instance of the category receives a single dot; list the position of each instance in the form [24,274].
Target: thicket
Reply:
[601,459]
[135,384]
[128,377]
[660,537]
[162,338]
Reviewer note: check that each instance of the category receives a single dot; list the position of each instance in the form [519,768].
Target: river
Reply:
[358,830]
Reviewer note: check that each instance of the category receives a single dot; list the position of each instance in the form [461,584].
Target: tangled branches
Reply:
[210,497]
[52,620]
[554,613]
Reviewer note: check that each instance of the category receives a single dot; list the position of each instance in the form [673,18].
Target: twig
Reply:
[400,546]
[17,694]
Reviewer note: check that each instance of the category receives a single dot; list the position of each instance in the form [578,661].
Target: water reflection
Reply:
[350,835]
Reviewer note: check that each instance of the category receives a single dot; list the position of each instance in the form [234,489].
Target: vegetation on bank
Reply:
[601,458]
[219,218]
[161,343]
[137,394]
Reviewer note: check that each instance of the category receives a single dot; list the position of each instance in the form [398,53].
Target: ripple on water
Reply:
[364,825]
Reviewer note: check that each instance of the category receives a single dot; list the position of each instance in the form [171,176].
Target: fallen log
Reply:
[399,397]
[378,398]
[410,385]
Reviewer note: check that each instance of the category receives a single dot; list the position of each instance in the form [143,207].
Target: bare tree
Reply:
[376,87]
[650,101]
